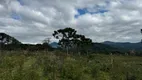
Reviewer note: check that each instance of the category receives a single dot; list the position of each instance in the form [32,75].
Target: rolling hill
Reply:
[125,45]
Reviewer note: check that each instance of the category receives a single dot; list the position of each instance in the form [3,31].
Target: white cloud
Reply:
[38,19]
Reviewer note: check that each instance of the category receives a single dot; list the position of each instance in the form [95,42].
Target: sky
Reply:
[31,21]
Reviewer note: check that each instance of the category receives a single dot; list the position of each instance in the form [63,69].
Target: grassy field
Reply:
[23,65]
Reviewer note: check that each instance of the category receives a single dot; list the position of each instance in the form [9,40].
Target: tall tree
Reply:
[69,39]
[82,43]
[65,37]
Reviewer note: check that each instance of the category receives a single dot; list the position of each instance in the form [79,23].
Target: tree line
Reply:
[69,41]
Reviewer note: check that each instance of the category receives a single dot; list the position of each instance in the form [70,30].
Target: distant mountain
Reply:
[125,45]
[100,47]
[97,47]
[54,44]
[109,46]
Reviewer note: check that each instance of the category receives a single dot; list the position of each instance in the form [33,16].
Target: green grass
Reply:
[23,65]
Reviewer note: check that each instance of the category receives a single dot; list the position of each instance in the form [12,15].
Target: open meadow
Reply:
[56,65]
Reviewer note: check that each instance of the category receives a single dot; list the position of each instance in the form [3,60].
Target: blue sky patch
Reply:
[99,11]
[81,12]
[107,2]
[15,16]
[85,11]
[21,2]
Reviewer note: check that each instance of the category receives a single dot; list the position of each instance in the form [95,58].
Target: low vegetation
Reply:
[75,58]
[56,65]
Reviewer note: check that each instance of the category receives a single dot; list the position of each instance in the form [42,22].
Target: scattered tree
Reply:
[82,43]
[69,39]
[65,37]
[46,41]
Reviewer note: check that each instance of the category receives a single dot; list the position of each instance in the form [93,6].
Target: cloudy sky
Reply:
[31,21]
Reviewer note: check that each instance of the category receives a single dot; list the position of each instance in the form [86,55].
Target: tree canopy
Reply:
[69,39]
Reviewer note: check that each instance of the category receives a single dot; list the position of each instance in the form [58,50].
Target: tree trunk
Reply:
[67,50]
[87,52]
[0,49]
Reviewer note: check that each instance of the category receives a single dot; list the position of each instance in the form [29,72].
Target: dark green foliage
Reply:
[28,47]
[65,37]
[82,43]
[10,43]
[71,41]
[6,39]
[125,46]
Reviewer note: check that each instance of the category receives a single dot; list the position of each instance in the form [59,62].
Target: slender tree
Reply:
[46,41]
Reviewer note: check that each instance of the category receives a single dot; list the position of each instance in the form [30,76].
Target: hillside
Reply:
[97,47]
[125,45]
[7,39]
